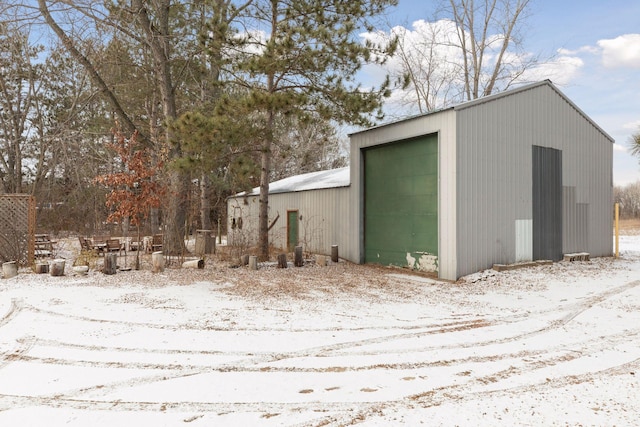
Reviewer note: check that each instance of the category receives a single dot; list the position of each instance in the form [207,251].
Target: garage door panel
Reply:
[401,193]
[395,232]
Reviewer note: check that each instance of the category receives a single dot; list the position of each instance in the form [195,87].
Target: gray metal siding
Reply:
[323,219]
[494,172]
[576,222]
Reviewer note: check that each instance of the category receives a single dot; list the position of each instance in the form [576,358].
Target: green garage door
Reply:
[401,203]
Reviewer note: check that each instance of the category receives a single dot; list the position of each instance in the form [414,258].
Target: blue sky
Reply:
[598,45]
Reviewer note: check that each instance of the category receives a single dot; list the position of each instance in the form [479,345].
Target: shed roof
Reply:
[468,104]
[332,178]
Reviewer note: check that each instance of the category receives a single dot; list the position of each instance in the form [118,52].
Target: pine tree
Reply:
[302,59]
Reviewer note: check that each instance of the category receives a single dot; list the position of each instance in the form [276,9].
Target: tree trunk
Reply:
[263,240]
[154,220]
[176,214]
[110,263]
[297,256]
[158,38]
[205,202]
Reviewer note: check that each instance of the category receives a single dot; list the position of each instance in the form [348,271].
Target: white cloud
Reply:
[621,148]
[584,49]
[633,126]
[561,70]
[623,51]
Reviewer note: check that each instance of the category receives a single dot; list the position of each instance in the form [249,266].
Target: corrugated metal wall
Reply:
[323,219]
[495,174]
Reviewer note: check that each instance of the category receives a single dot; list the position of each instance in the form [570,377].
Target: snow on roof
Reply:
[332,178]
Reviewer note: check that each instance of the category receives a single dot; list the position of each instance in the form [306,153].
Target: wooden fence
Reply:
[17,228]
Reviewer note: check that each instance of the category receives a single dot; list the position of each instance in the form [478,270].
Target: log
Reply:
[57,267]
[193,263]
[42,268]
[10,269]
[157,262]
[297,256]
[244,260]
[282,261]
[321,260]
[110,263]
[334,253]
[253,262]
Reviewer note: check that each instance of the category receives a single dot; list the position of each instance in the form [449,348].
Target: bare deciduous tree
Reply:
[429,64]
[489,38]
[473,50]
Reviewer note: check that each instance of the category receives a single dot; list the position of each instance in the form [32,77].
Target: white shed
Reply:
[309,210]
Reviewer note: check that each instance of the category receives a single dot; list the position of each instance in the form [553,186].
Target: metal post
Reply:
[617,216]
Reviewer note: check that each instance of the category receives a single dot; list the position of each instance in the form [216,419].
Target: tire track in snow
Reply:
[8,402]
[441,395]
[326,350]
[576,309]
[70,398]
[187,327]
[14,309]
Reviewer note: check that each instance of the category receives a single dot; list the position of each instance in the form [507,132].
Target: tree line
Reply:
[226,94]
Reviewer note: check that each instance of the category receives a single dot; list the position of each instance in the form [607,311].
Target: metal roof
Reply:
[332,178]
[468,104]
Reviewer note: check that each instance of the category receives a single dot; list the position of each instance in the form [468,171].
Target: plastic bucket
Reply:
[10,269]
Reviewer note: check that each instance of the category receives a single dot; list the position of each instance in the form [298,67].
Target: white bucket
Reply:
[10,269]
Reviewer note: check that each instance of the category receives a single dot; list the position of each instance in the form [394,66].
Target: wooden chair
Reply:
[85,244]
[99,244]
[113,245]
[43,245]
[156,242]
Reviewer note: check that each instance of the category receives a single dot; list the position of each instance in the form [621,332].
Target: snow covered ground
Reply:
[324,346]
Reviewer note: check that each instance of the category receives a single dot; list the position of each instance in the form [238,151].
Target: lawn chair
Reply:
[113,245]
[85,244]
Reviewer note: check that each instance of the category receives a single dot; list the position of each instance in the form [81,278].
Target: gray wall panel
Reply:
[494,172]
[324,220]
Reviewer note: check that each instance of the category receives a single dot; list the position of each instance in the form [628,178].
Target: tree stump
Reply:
[282,261]
[110,263]
[244,260]
[57,267]
[297,256]
[42,268]
[334,253]
[321,260]
[253,262]
[157,262]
